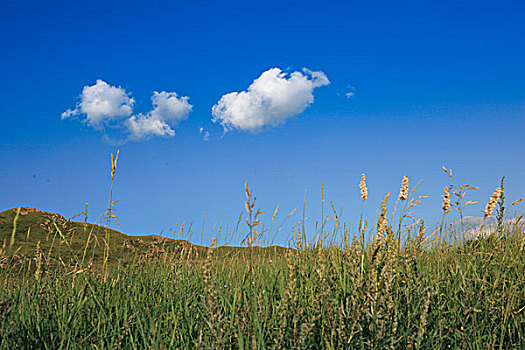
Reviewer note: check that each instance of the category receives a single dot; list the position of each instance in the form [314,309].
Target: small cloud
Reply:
[104,105]
[205,134]
[476,220]
[475,230]
[169,107]
[350,91]
[168,110]
[143,126]
[271,99]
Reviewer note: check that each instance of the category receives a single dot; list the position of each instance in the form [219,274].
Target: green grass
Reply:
[395,285]
[384,293]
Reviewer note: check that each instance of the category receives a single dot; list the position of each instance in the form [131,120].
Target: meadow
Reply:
[388,282]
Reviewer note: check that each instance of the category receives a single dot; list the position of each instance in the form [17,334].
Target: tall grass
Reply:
[400,286]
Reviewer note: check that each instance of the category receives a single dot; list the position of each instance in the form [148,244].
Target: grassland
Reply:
[388,284]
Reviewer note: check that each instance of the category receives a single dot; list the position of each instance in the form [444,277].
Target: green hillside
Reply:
[70,241]
[67,239]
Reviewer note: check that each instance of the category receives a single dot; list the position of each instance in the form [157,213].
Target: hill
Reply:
[70,240]
[57,236]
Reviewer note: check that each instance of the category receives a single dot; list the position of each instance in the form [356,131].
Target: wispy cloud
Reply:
[102,105]
[269,101]
[205,134]
[350,91]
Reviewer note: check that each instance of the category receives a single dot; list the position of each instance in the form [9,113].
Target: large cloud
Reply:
[271,99]
[102,105]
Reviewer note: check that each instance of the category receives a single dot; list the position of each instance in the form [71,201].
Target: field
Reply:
[387,283]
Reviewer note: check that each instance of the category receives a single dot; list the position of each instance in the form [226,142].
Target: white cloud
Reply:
[167,106]
[476,220]
[474,230]
[102,103]
[271,99]
[350,94]
[168,110]
[143,126]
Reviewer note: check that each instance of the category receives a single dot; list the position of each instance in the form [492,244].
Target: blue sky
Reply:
[433,83]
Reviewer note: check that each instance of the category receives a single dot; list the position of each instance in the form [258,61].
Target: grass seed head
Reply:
[382,227]
[446,200]
[362,186]
[381,222]
[403,192]
[492,202]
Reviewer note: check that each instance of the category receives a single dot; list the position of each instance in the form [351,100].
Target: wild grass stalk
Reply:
[109,213]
